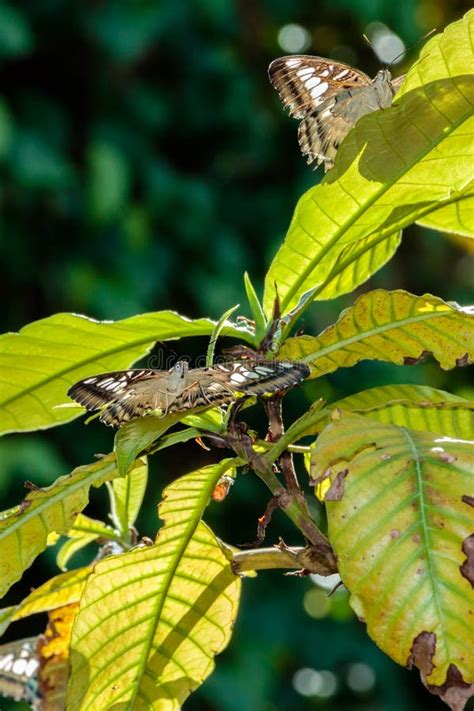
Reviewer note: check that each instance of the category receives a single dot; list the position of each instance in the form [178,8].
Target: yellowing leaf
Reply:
[24,531]
[53,653]
[396,327]
[400,516]
[127,496]
[151,620]
[85,530]
[59,591]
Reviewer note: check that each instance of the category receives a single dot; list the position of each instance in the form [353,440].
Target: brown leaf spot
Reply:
[463,361]
[30,486]
[336,491]
[409,360]
[422,652]
[469,500]
[455,691]
[385,456]
[416,538]
[394,533]
[315,481]
[420,571]
[448,458]
[467,568]
[23,506]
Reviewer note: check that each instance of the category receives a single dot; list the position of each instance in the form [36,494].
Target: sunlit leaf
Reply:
[41,362]
[152,620]
[127,496]
[64,589]
[137,435]
[456,218]
[416,406]
[395,167]
[24,532]
[85,530]
[396,327]
[400,515]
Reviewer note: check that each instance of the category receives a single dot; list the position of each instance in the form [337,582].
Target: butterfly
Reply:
[19,663]
[128,394]
[329,97]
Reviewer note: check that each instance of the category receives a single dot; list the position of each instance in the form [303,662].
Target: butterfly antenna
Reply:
[369,43]
[415,44]
[165,347]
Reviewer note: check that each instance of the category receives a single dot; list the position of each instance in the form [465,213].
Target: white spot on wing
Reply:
[293,62]
[314,81]
[319,90]
[19,666]
[252,374]
[31,667]
[262,370]
[6,662]
[305,73]
[342,74]
[238,378]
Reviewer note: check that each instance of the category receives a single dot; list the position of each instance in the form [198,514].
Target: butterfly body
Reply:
[329,98]
[128,394]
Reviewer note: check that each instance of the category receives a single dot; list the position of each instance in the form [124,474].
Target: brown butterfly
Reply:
[128,394]
[329,97]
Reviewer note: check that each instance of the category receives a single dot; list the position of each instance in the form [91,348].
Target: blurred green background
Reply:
[145,163]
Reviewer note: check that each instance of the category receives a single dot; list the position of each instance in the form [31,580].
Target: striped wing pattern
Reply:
[329,98]
[126,395]
[19,665]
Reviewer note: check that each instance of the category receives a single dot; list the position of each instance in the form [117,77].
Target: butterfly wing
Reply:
[304,83]
[224,382]
[19,664]
[125,394]
[329,98]
[321,133]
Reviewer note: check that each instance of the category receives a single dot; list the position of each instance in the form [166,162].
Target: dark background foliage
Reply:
[146,163]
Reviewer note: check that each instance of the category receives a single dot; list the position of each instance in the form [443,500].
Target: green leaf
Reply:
[24,531]
[151,620]
[127,496]
[455,218]
[400,520]
[415,406]
[255,308]
[61,590]
[217,332]
[137,435]
[47,357]
[85,530]
[395,167]
[392,326]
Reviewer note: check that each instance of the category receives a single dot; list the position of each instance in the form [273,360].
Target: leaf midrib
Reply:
[339,345]
[111,351]
[312,264]
[56,498]
[193,522]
